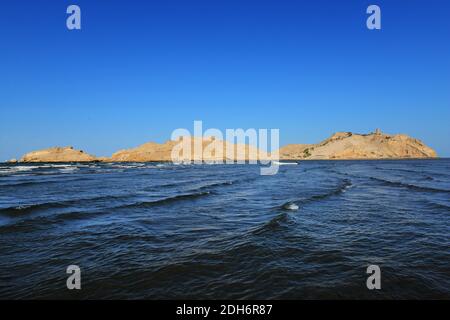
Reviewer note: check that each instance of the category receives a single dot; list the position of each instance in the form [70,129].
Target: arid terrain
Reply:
[347,145]
[340,146]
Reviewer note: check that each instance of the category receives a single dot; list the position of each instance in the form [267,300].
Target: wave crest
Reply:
[408,186]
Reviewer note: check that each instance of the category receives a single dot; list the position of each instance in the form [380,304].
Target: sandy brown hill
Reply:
[342,145]
[211,150]
[58,154]
[347,145]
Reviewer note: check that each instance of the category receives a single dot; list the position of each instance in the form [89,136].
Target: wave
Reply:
[74,215]
[29,208]
[290,206]
[180,197]
[398,183]
[316,168]
[186,183]
[275,223]
[408,186]
[15,169]
[342,188]
[212,185]
[29,183]
[68,170]
[282,218]
[168,185]
[425,175]
[438,205]
[19,210]
[42,222]
[399,169]
[23,226]
[278,163]
[132,166]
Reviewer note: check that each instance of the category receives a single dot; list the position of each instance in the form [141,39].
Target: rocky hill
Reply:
[58,154]
[210,150]
[341,145]
[347,145]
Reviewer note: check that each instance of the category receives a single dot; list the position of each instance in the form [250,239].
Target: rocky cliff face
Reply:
[347,145]
[58,154]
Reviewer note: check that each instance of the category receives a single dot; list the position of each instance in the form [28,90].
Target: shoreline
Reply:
[165,161]
[339,146]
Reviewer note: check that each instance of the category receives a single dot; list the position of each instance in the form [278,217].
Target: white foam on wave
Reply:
[68,169]
[23,168]
[130,166]
[346,188]
[55,166]
[12,170]
[278,163]
[291,206]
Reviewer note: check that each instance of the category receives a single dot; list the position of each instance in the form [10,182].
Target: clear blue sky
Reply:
[139,69]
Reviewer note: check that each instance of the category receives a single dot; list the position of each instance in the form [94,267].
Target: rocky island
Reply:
[58,154]
[152,151]
[348,145]
[340,146]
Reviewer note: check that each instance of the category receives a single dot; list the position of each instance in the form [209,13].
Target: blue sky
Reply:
[138,70]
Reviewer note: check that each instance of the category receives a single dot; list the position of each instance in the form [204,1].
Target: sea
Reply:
[166,231]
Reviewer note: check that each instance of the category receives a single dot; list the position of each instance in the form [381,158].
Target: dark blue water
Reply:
[162,231]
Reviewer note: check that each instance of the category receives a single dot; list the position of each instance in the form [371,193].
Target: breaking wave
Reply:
[293,205]
[290,206]
[340,189]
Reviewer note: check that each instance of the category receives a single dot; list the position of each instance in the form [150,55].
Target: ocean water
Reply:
[160,231]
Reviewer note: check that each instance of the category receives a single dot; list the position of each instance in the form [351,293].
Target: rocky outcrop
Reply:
[347,145]
[150,151]
[58,154]
[341,145]
[205,149]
